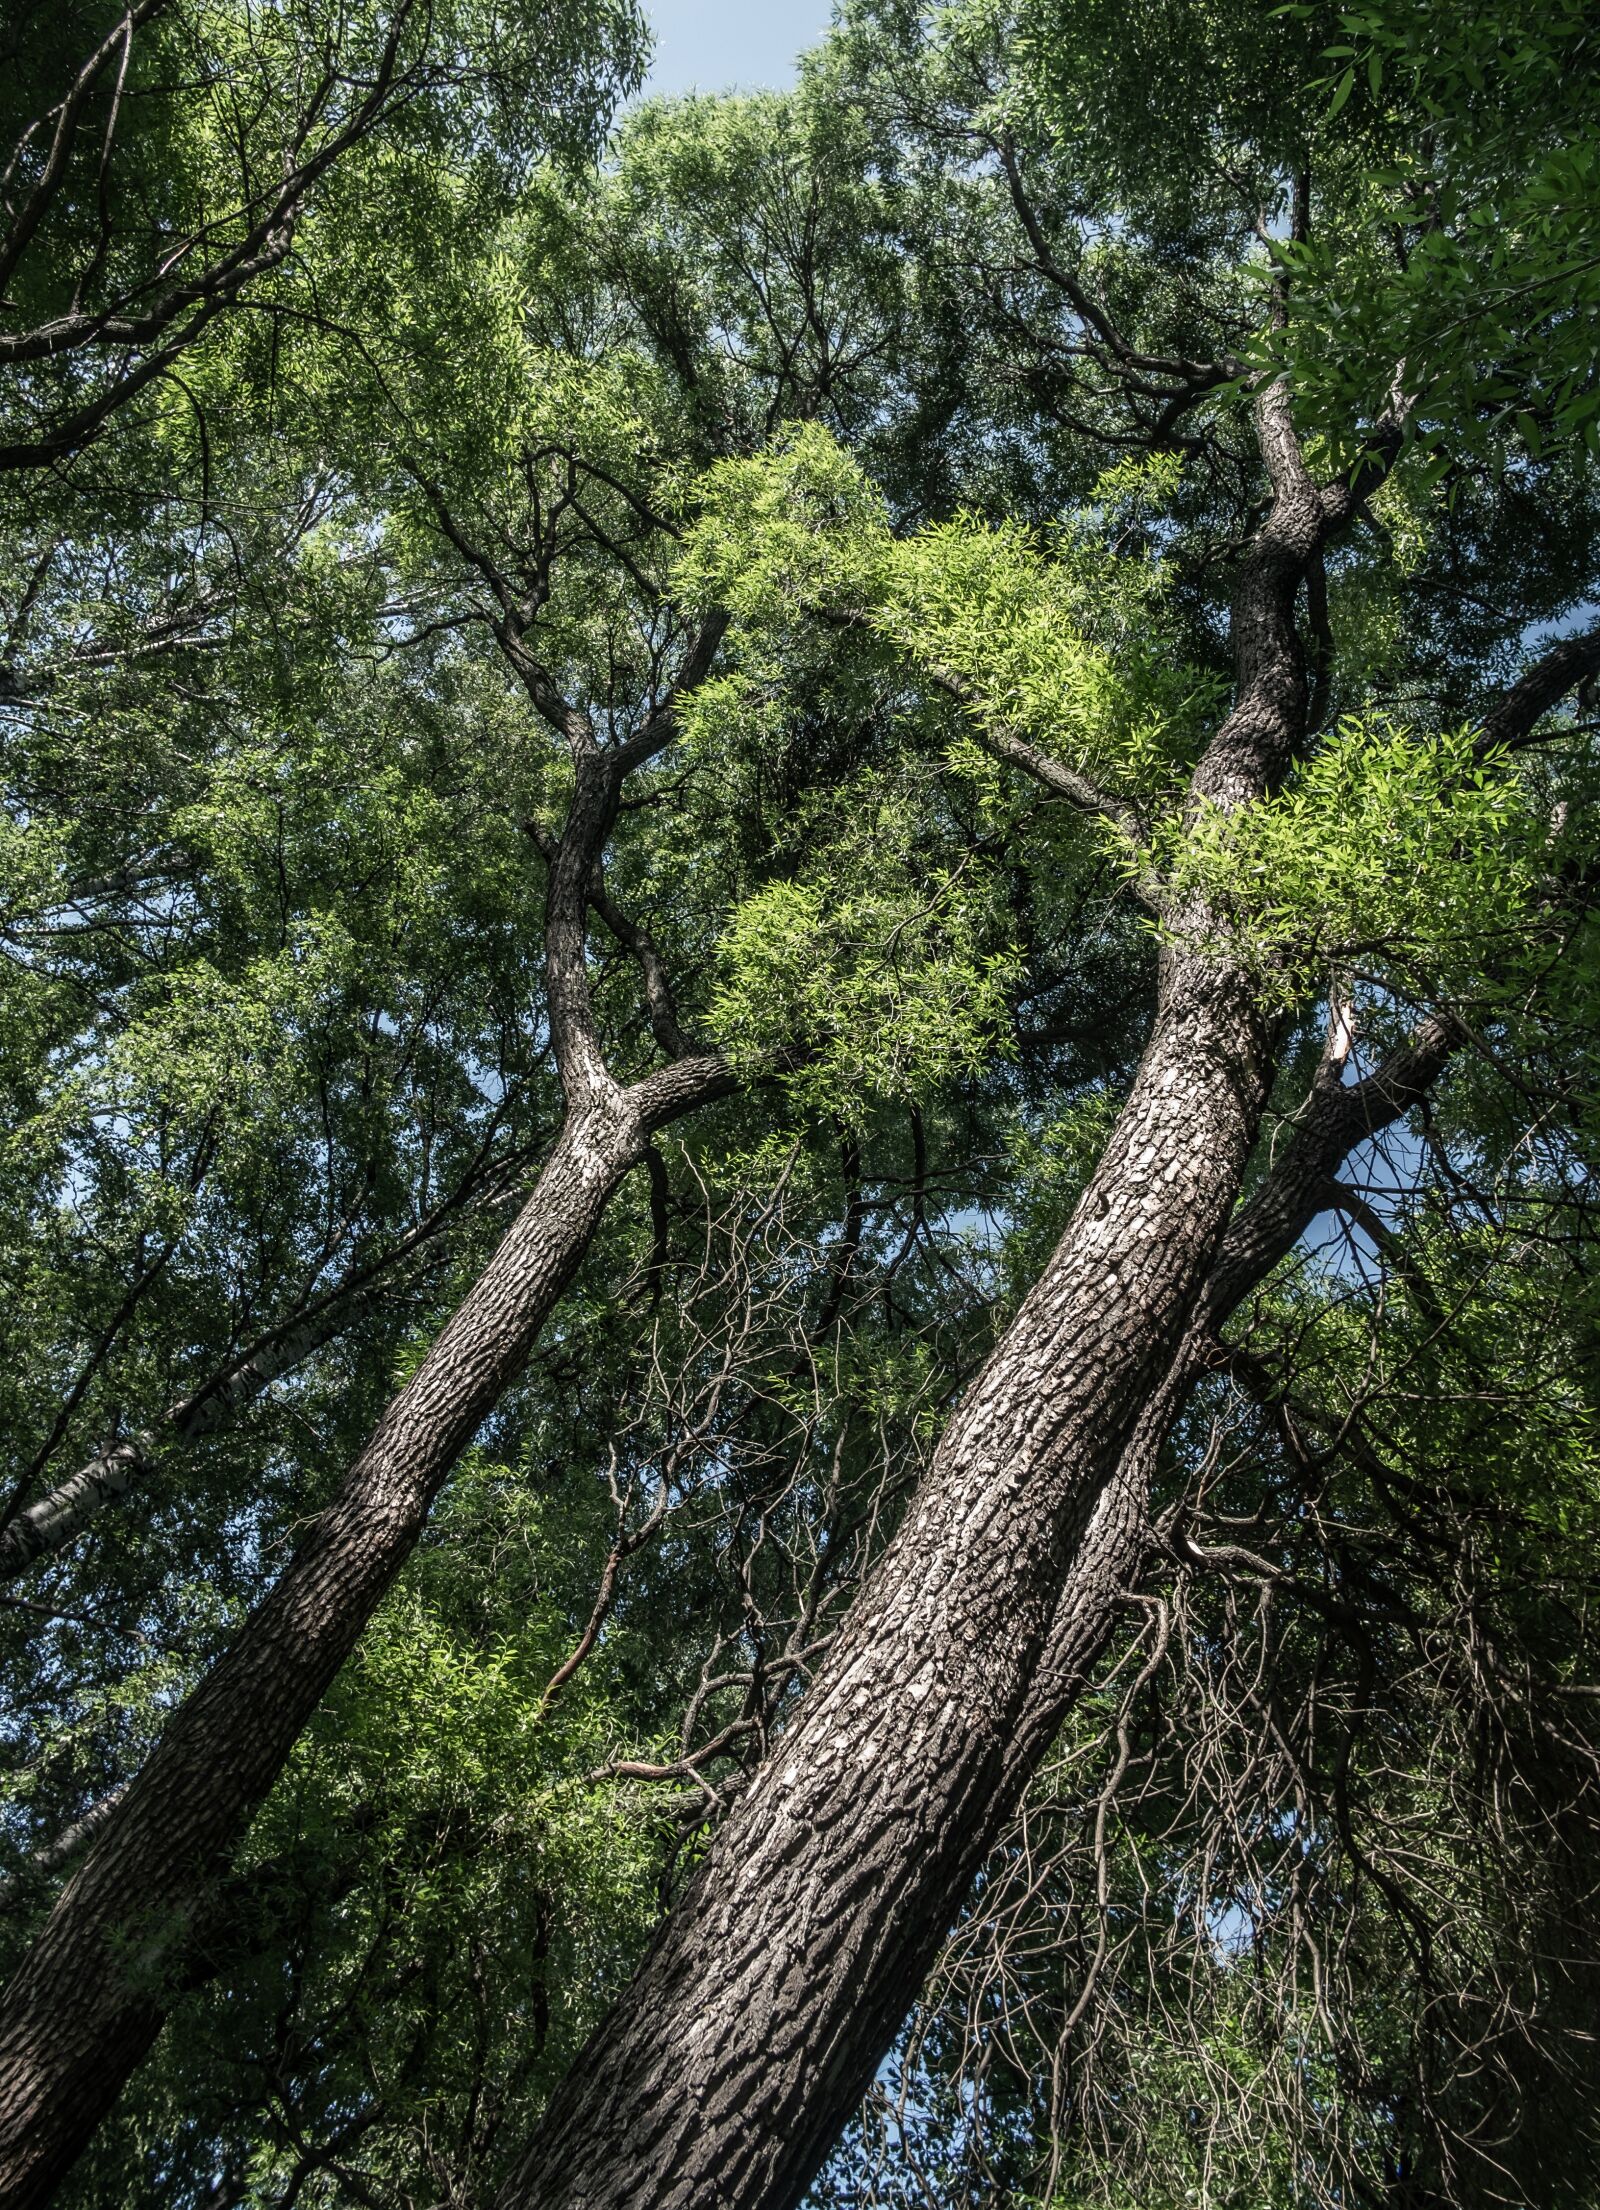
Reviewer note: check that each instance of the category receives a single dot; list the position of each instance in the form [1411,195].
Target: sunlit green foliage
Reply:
[218,170]
[1403,854]
[1470,280]
[274,1053]
[878,980]
[432,1884]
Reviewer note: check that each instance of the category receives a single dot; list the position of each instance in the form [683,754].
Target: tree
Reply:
[767,2003]
[735,552]
[563,500]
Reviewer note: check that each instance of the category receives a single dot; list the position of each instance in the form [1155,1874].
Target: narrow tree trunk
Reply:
[91,1995]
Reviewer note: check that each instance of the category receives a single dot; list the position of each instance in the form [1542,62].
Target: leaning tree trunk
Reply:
[745,2042]
[741,2051]
[747,2038]
[755,2025]
[92,1993]
[1332,1120]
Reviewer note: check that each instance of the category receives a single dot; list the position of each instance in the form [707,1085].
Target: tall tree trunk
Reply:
[743,2046]
[1333,1119]
[755,2025]
[750,2033]
[91,1995]
[126,1931]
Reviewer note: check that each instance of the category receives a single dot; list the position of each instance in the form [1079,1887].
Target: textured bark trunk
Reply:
[128,1927]
[91,1995]
[743,2047]
[1334,1118]
[748,2036]
[755,2025]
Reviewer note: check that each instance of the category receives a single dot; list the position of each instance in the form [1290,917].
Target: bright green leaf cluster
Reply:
[1044,638]
[869,977]
[1050,634]
[1414,850]
[791,531]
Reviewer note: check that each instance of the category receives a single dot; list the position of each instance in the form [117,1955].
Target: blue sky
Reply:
[715,45]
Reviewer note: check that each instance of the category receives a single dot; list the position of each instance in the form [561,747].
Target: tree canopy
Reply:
[799,976]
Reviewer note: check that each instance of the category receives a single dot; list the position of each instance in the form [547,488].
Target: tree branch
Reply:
[1196,376]
[1511,721]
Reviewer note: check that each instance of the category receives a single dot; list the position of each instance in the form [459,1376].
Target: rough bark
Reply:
[834,1881]
[1334,1118]
[89,1999]
[756,2023]
[748,2036]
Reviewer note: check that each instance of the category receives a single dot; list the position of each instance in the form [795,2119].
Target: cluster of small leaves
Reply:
[1413,851]
[1465,276]
[434,1905]
[1051,634]
[1051,641]
[788,533]
[872,977]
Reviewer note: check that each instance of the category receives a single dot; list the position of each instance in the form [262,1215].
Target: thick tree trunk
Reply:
[91,1995]
[756,2024]
[742,2048]
[747,2038]
[1334,1118]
